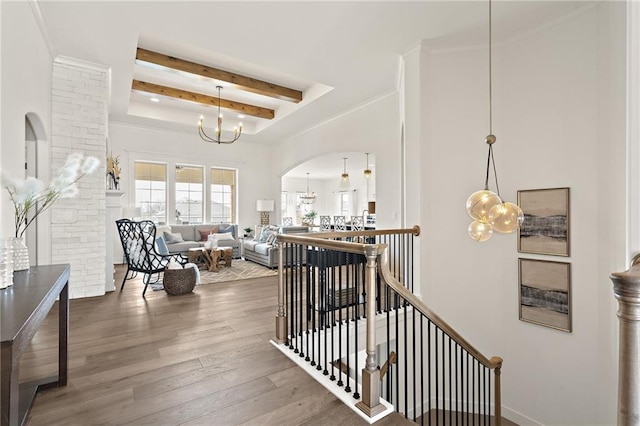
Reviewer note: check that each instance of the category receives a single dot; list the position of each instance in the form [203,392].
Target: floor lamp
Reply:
[264,207]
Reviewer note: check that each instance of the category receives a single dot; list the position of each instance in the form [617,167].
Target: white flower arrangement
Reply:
[32,194]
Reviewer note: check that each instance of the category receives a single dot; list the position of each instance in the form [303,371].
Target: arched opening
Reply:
[324,179]
[35,165]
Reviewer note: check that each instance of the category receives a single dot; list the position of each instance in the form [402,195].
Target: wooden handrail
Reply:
[322,239]
[391,281]
[346,246]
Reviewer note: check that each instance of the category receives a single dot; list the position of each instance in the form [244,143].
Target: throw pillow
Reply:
[271,239]
[161,246]
[258,232]
[223,236]
[264,235]
[227,228]
[171,238]
[205,233]
[161,229]
[267,235]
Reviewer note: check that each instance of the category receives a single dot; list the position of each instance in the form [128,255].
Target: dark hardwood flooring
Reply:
[197,359]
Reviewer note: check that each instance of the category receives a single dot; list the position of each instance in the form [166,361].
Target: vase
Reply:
[6,264]
[20,254]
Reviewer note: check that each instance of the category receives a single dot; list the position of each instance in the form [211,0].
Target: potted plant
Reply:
[247,231]
[310,217]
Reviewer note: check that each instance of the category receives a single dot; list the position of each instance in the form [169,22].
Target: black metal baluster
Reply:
[333,312]
[325,305]
[311,302]
[294,300]
[413,333]
[301,311]
[484,394]
[450,385]
[457,385]
[473,391]
[346,257]
[288,297]
[437,369]
[444,385]
[397,380]
[356,370]
[347,323]
[429,326]
[406,362]
[422,318]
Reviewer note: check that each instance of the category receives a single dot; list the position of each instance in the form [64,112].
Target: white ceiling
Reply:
[340,54]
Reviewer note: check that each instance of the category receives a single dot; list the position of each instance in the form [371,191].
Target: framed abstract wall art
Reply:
[545,293]
[545,229]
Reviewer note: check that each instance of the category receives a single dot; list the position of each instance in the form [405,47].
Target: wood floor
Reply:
[197,359]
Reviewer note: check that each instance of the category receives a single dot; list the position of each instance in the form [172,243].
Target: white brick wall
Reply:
[79,124]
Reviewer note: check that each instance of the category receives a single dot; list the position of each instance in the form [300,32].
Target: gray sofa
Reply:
[266,253]
[192,236]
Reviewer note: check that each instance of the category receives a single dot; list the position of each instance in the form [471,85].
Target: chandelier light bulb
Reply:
[506,217]
[480,231]
[480,203]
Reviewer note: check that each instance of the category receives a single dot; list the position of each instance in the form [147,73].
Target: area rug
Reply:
[239,270]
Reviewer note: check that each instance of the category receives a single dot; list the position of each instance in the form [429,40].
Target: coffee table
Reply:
[219,256]
[197,256]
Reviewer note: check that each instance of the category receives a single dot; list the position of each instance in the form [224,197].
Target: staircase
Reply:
[348,316]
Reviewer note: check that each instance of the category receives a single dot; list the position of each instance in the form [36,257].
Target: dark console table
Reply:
[23,308]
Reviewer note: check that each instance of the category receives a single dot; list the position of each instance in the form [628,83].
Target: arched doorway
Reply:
[35,165]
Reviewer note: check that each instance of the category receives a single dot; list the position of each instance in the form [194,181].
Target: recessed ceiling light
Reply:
[154,99]
[240,116]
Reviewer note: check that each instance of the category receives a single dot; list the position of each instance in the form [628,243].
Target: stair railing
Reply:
[340,288]
[465,385]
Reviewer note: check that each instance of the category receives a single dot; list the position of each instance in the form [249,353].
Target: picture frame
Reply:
[544,293]
[545,229]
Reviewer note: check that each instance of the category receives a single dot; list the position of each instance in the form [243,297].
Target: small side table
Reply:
[241,239]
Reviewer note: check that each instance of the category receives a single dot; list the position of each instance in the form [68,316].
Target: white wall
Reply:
[559,121]
[26,87]
[371,128]
[133,143]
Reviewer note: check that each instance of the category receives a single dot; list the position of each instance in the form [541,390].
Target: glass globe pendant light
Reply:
[487,209]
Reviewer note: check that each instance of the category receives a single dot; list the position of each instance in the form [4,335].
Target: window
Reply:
[223,196]
[151,190]
[344,204]
[189,188]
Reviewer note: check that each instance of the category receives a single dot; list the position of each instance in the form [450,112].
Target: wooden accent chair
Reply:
[138,242]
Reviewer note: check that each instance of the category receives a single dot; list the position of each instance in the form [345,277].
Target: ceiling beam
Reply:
[242,82]
[172,92]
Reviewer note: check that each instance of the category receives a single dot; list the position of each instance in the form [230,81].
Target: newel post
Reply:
[626,287]
[370,403]
[281,319]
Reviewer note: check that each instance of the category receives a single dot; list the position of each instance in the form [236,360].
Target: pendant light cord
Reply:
[490,79]
[490,158]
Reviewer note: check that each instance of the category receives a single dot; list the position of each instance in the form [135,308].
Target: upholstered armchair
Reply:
[138,242]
